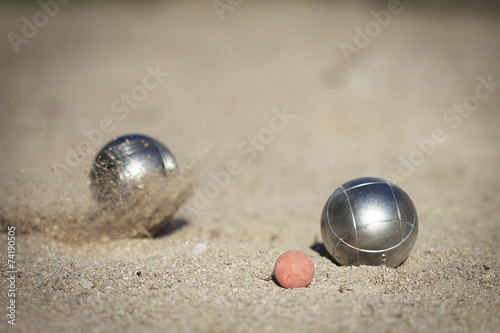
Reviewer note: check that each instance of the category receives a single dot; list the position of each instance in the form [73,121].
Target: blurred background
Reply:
[361,81]
[271,105]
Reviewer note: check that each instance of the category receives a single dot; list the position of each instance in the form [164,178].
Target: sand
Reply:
[263,105]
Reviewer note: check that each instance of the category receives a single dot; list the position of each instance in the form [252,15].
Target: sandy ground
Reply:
[230,75]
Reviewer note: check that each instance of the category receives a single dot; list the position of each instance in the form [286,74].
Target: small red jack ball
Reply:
[294,269]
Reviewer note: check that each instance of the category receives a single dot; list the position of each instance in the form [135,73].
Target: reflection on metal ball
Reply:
[121,167]
[369,221]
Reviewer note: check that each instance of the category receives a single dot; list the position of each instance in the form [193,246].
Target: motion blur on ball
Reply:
[129,165]
[369,221]
[137,189]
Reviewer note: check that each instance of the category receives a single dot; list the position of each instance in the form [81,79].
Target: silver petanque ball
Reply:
[127,165]
[369,221]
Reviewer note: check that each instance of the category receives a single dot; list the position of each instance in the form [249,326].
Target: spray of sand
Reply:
[77,220]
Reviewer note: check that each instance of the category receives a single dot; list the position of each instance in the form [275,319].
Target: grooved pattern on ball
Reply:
[369,221]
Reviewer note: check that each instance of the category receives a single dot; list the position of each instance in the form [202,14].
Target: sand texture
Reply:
[266,115]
